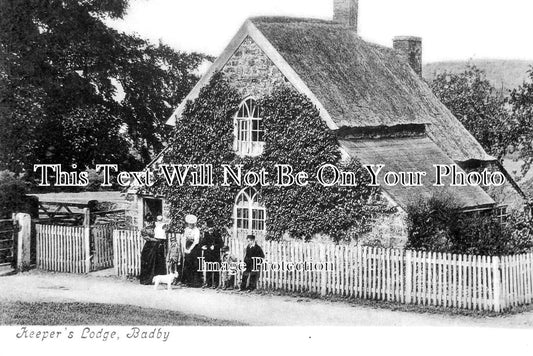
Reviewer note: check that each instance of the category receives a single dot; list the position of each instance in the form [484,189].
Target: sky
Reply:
[451,29]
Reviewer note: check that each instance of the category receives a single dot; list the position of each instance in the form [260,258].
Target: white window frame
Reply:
[244,131]
[501,213]
[249,200]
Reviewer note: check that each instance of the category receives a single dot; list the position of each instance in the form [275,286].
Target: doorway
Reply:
[152,208]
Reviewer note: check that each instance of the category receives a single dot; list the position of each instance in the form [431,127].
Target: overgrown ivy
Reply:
[294,135]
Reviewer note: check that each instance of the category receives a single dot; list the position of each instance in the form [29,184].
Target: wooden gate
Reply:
[8,231]
[102,246]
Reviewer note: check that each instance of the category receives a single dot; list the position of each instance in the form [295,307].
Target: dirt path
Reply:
[245,308]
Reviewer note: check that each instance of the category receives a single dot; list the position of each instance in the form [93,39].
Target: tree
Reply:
[479,107]
[12,194]
[521,106]
[60,67]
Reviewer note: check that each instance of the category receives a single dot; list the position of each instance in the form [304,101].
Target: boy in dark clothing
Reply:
[211,244]
[250,276]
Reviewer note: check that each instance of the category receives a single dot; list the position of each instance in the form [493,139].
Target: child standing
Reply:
[173,256]
[227,275]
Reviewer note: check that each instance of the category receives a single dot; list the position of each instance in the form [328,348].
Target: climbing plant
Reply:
[295,135]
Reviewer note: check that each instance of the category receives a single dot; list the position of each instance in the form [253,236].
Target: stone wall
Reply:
[388,231]
[251,72]
[132,211]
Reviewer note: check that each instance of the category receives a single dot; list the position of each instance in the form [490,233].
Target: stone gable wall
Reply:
[251,72]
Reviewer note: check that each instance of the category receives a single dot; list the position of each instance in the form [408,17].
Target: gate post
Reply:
[87,239]
[23,241]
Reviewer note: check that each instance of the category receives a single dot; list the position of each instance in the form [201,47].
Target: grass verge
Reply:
[22,313]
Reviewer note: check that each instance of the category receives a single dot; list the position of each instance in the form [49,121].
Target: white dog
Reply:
[167,279]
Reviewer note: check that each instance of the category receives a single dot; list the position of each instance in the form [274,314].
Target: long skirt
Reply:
[153,262]
[191,275]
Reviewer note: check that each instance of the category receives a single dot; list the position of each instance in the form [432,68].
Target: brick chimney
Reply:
[410,49]
[346,12]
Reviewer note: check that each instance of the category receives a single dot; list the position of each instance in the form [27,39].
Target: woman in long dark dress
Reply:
[153,262]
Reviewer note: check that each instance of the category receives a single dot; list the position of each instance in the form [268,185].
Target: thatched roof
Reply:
[362,84]
[413,154]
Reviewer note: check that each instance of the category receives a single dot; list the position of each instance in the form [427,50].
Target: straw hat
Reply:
[191,219]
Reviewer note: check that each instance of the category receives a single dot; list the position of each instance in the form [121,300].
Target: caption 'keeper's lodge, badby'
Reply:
[371,96]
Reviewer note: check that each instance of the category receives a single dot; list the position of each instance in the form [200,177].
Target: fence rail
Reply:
[410,277]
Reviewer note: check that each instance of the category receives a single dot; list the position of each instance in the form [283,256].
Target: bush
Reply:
[12,194]
[437,224]
[479,233]
[519,234]
[429,222]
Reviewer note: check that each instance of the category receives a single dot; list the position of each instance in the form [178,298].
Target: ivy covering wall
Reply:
[294,135]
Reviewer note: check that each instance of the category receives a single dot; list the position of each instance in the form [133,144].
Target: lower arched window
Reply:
[249,212]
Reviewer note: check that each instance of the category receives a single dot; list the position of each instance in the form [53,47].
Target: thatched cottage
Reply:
[372,96]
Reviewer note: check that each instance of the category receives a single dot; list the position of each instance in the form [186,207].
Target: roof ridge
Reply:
[314,21]
[289,19]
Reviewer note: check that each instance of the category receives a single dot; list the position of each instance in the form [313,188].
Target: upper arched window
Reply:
[249,130]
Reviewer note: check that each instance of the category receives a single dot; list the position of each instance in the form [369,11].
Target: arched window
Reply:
[249,213]
[249,131]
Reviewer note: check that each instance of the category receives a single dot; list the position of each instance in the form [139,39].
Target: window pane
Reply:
[242,218]
[258,219]
[243,131]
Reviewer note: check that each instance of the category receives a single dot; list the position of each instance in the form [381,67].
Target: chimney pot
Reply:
[346,12]
[410,49]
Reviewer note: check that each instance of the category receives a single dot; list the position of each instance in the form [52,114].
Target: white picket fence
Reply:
[127,247]
[410,277]
[74,249]
[62,249]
